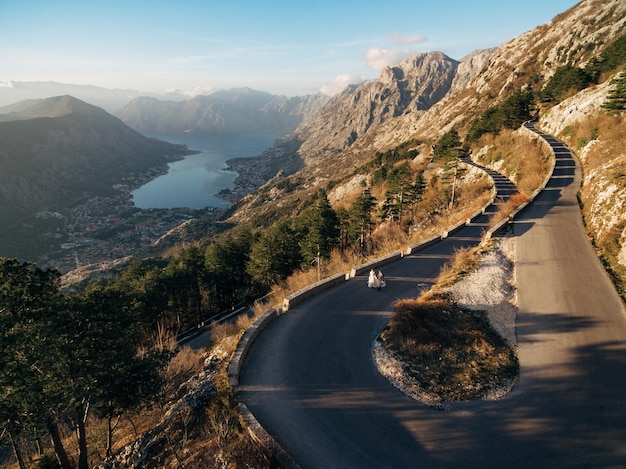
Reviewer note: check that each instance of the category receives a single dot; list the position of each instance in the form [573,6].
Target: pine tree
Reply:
[616,98]
[318,229]
[448,146]
[359,222]
[63,356]
[275,255]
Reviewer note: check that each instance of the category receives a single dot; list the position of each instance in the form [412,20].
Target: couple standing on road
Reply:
[376,281]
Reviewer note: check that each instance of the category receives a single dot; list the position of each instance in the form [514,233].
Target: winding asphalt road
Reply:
[310,379]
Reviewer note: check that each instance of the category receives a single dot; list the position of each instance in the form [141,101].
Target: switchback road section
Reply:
[311,382]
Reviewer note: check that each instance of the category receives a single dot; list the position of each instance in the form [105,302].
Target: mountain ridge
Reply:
[236,110]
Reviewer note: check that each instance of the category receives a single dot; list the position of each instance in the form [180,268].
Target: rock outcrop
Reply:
[411,87]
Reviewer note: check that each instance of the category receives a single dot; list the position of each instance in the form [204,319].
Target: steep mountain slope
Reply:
[235,110]
[412,86]
[530,59]
[370,118]
[57,151]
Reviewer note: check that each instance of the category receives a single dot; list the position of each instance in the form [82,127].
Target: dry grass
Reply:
[610,129]
[185,364]
[225,336]
[464,261]
[522,158]
[506,209]
[452,353]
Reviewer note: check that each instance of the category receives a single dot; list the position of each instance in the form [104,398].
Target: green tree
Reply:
[318,229]
[275,255]
[359,221]
[566,80]
[609,60]
[616,98]
[145,283]
[29,306]
[448,147]
[516,109]
[225,264]
[511,113]
[63,356]
[398,192]
[184,280]
[489,122]
[101,354]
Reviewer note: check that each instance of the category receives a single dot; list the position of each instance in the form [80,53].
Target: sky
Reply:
[285,47]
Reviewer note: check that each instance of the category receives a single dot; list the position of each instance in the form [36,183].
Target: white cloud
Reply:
[340,83]
[378,58]
[7,84]
[199,90]
[412,39]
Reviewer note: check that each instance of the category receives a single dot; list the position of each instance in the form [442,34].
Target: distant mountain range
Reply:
[237,110]
[110,100]
[234,110]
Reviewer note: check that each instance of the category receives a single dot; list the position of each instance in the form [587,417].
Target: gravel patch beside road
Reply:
[490,288]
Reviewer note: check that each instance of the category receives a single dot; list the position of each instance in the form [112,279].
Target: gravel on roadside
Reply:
[490,288]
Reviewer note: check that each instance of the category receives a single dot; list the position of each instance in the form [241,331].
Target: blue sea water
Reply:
[194,181]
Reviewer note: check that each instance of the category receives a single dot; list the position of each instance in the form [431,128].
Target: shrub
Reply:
[48,461]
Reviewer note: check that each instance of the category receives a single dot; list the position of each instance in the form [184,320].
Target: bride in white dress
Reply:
[376,281]
[372,281]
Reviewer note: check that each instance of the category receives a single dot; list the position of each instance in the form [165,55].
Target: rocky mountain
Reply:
[231,111]
[410,87]
[429,94]
[57,151]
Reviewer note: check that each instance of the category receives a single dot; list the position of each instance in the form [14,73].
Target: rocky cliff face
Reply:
[230,111]
[411,87]
[530,59]
[486,77]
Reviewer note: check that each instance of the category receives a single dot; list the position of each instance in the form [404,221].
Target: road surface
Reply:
[310,379]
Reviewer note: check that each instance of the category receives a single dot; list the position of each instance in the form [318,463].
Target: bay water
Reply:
[194,181]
